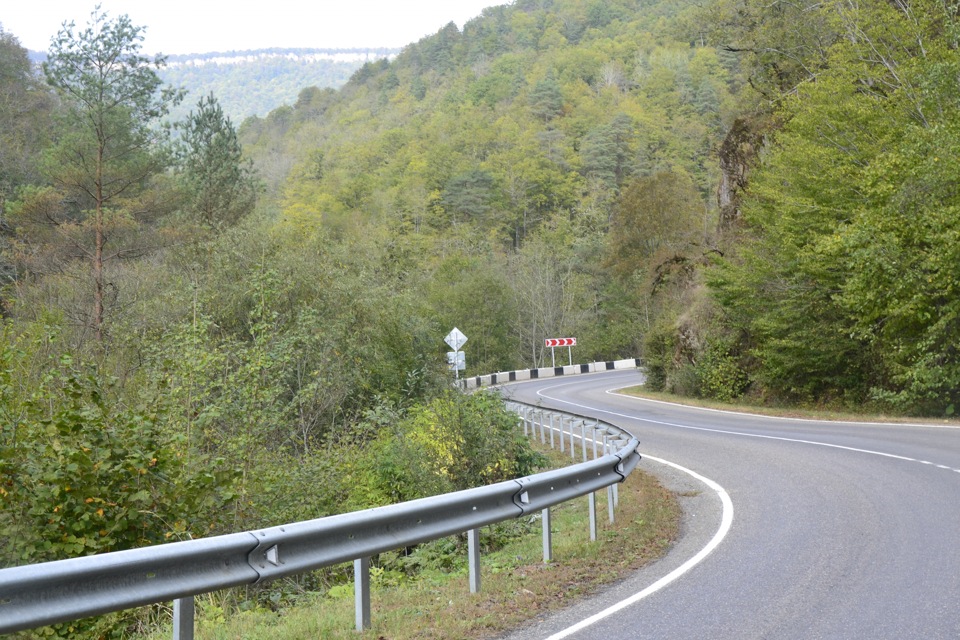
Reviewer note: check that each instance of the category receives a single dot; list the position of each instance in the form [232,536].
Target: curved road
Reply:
[839,530]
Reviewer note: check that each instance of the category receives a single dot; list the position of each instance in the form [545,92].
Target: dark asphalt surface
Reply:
[840,530]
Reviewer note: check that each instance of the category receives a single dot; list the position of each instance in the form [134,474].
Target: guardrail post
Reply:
[583,437]
[592,505]
[616,485]
[572,444]
[552,446]
[543,435]
[610,500]
[473,551]
[561,430]
[183,613]
[361,592]
[547,537]
[524,412]
[593,495]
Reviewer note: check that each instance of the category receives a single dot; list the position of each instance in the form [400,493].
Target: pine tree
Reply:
[107,147]
[221,186]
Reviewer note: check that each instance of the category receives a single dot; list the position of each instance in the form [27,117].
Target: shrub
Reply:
[719,373]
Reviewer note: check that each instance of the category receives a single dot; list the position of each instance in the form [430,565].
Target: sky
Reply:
[204,26]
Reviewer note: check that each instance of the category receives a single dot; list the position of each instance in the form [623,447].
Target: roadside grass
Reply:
[807,413]
[516,585]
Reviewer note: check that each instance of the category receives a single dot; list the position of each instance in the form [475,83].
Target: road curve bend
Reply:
[841,530]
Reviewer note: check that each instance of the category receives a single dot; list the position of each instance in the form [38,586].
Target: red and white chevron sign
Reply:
[560,342]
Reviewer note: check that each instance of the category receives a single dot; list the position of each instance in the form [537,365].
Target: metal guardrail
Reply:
[66,590]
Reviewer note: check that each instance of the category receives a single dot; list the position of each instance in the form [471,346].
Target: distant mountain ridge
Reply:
[255,82]
[360,55]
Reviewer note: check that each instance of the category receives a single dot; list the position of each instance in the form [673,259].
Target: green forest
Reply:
[204,321]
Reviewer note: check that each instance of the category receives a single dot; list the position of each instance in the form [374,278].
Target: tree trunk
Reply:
[98,252]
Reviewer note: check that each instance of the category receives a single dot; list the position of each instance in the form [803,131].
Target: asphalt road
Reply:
[838,530]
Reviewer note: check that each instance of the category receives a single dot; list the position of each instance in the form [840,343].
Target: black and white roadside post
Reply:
[456,359]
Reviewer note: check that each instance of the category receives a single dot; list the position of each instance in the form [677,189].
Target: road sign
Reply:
[456,360]
[455,339]
[560,342]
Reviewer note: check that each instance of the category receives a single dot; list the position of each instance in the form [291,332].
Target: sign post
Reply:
[456,359]
[560,342]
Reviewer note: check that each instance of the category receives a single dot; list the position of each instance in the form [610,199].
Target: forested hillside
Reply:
[752,195]
[528,174]
[201,329]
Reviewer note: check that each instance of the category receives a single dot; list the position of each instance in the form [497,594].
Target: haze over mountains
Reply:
[257,81]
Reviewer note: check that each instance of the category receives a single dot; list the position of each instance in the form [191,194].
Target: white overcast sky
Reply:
[202,26]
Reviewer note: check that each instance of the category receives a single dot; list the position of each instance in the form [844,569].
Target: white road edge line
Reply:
[725,524]
[726,520]
[618,392]
[723,431]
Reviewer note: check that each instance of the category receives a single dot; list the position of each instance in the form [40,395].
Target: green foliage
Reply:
[220,185]
[474,295]
[86,474]
[842,292]
[469,195]
[546,99]
[653,215]
[781,45]
[658,350]
[607,151]
[719,374]
[25,107]
[114,97]
[453,442]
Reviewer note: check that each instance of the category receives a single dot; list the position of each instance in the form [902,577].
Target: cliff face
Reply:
[738,155]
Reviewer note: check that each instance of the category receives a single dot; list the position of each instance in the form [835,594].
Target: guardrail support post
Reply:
[183,612]
[593,496]
[592,503]
[583,437]
[561,430]
[361,592]
[610,497]
[543,435]
[473,551]
[552,446]
[616,485]
[547,537]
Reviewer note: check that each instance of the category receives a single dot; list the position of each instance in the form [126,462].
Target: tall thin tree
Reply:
[107,147]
